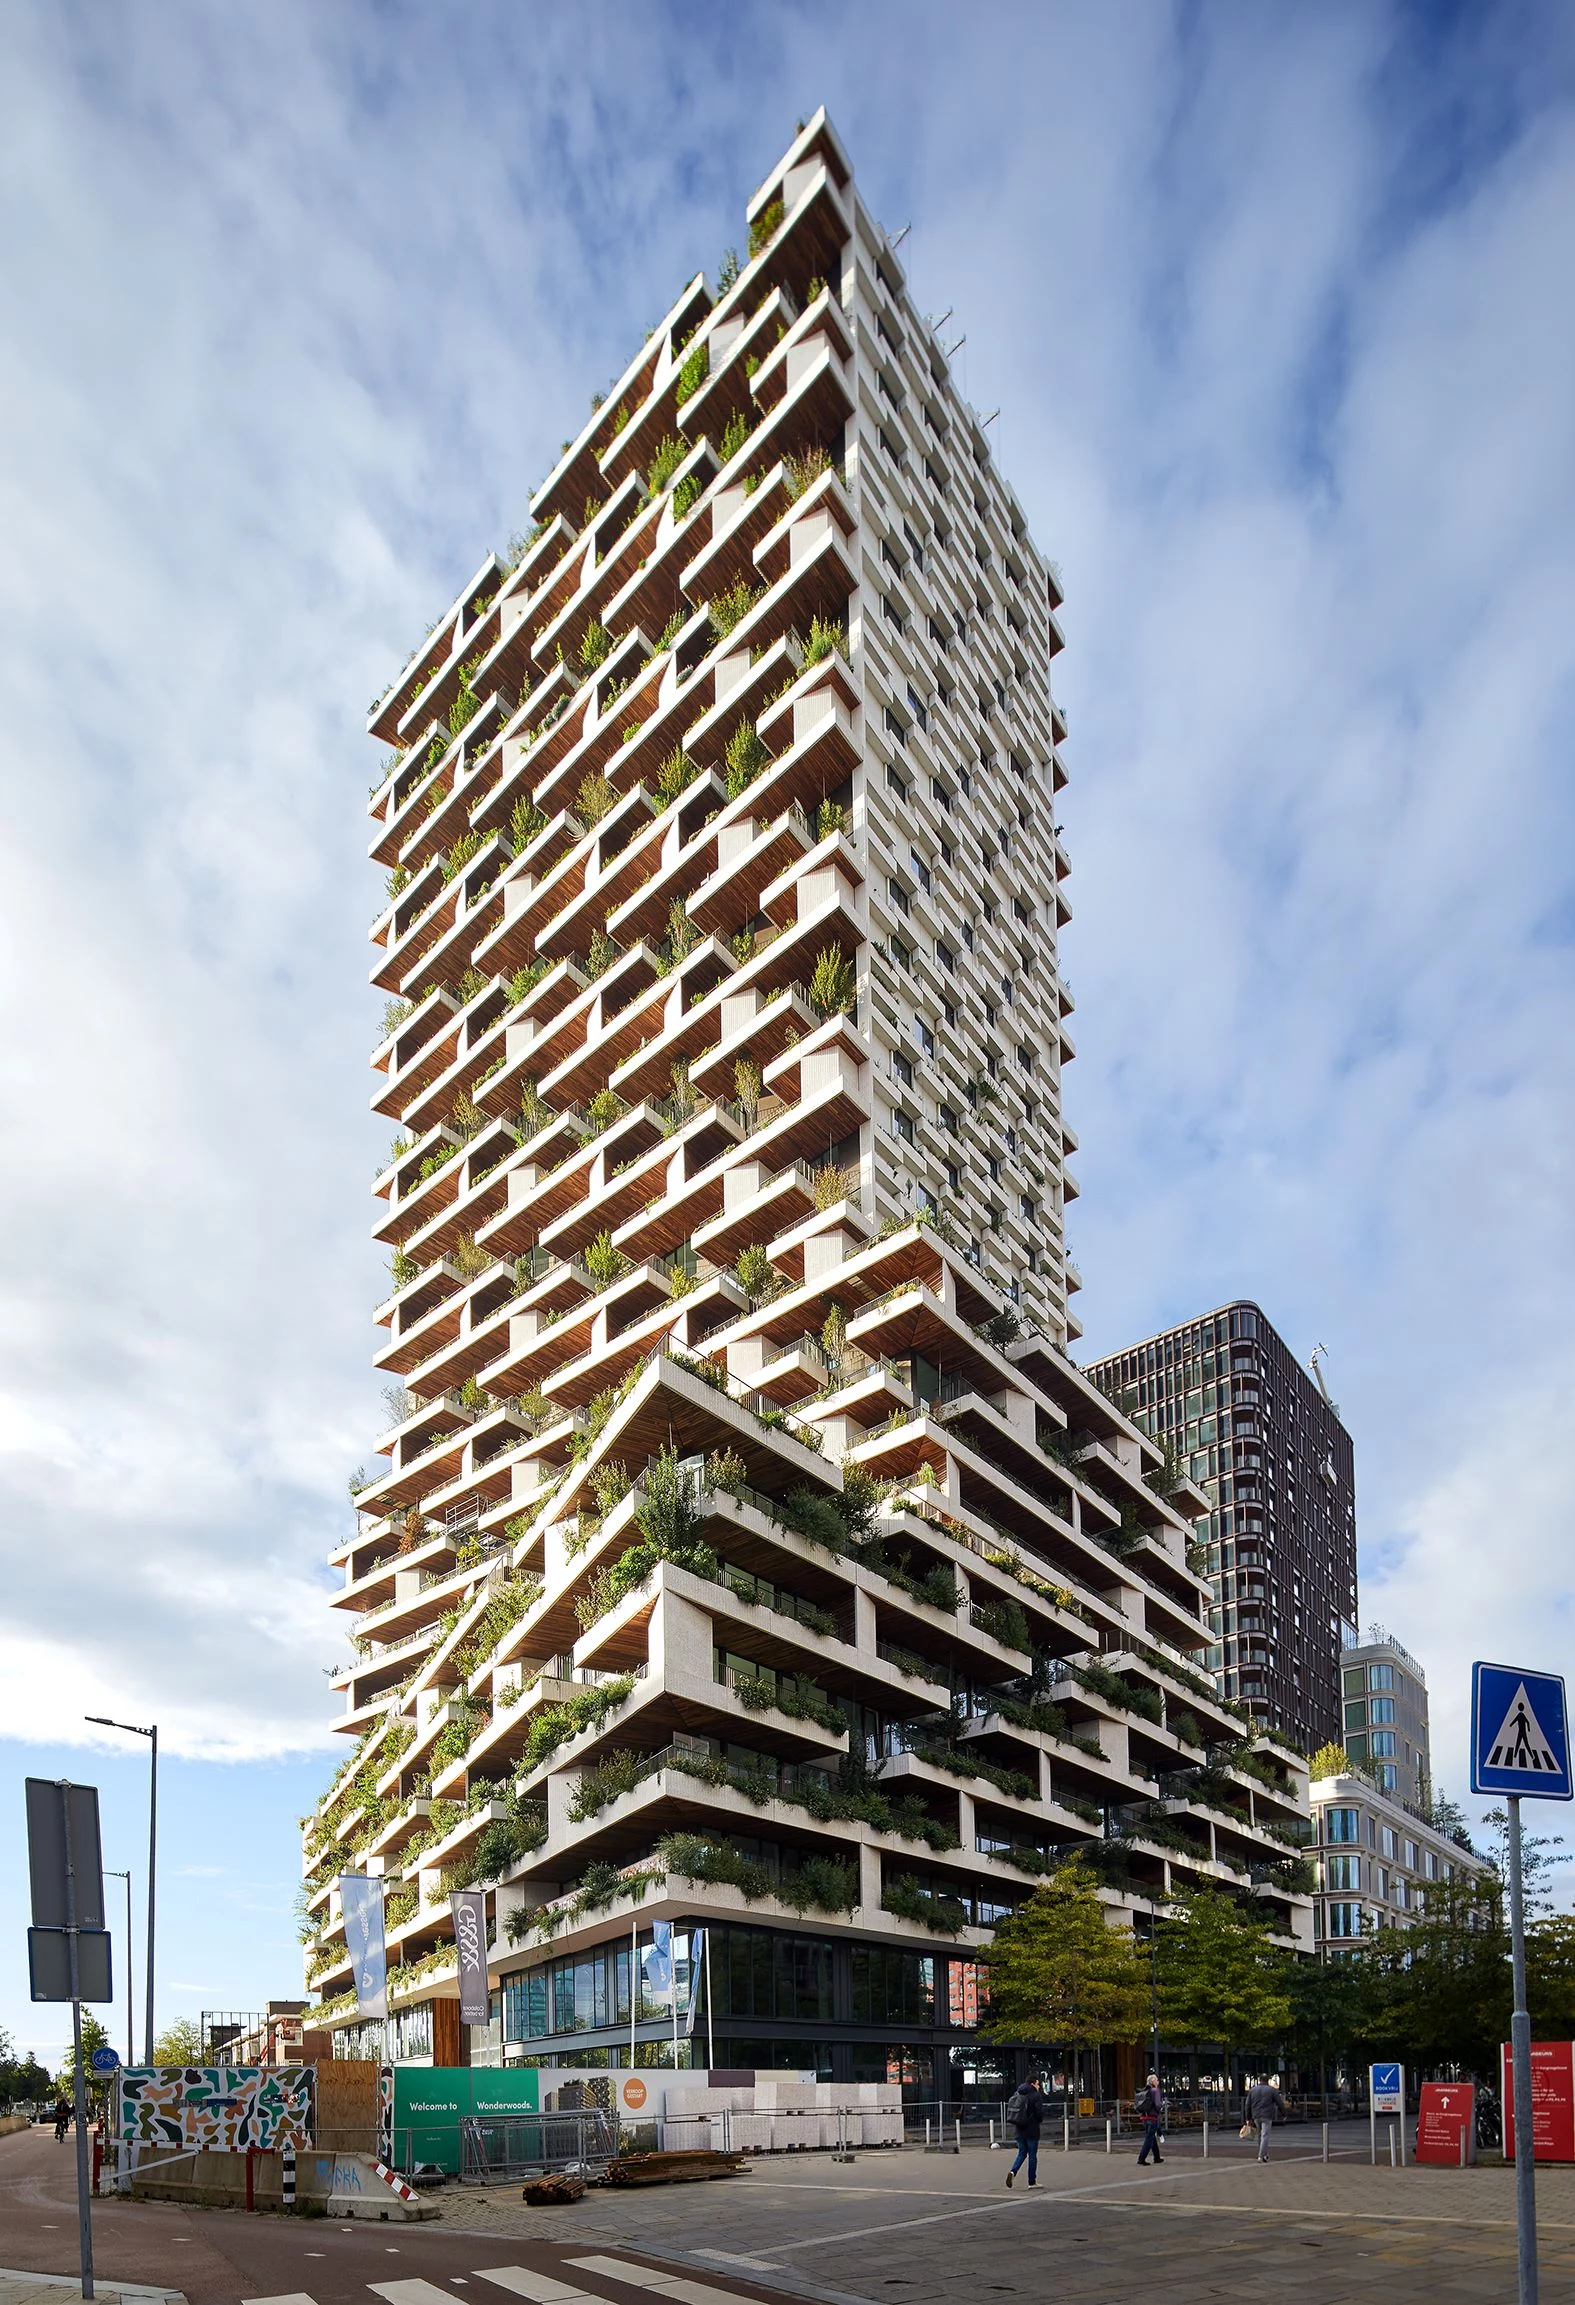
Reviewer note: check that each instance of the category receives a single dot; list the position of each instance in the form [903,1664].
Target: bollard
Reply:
[1326,2140]
[1391,2149]
[1066,2132]
[926,2132]
[287,2178]
[992,2136]
[957,2131]
[1462,2144]
[1107,2135]
[1205,2136]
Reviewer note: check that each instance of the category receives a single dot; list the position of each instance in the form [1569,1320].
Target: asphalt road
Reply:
[223,2257]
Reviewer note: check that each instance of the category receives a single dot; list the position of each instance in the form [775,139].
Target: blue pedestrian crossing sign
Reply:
[1519,1733]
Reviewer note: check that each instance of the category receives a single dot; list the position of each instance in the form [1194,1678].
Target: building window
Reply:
[902,1127]
[1345,1920]
[1380,1676]
[1342,1872]
[1342,1825]
[1382,1709]
[901,1068]
[1383,1746]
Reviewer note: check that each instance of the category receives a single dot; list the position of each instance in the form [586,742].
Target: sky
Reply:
[1275,304]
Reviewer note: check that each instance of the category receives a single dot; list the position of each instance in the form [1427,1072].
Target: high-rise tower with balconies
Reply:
[748,1551]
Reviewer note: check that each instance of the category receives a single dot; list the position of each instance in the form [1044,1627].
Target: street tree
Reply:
[1219,1978]
[179,2044]
[1061,1975]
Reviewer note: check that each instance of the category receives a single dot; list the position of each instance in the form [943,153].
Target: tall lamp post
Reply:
[102,1721]
[113,1873]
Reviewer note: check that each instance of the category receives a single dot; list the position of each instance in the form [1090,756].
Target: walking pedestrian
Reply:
[1265,2106]
[1026,2112]
[1151,2112]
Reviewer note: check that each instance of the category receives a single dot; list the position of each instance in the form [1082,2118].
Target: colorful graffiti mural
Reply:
[219,2108]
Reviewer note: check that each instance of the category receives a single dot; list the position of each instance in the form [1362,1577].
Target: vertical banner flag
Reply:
[469,1907]
[361,1902]
[696,1952]
[657,1960]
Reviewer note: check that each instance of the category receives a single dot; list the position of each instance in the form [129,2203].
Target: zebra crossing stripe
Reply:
[659,2282]
[543,2288]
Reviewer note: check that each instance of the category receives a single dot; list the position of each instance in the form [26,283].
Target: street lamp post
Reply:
[114,1873]
[102,1721]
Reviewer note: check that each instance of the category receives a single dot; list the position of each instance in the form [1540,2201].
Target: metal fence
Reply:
[516,2145]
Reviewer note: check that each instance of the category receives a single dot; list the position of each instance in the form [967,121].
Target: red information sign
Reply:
[1552,2101]
[1445,2114]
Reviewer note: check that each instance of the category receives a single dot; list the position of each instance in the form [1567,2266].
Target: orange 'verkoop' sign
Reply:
[634,2092]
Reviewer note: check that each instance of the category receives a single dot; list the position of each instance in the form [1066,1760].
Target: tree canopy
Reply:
[1060,1974]
[1220,1980]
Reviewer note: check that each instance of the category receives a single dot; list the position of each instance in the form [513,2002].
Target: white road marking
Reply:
[409,2292]
[540,2286]
[659,2283]
[292,2297]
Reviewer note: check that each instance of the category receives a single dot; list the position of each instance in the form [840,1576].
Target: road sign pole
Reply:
[1520,2054]
[78,2079]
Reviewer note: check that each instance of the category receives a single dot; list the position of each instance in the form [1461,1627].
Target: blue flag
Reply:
[657,1959]
[696,1956]
[361,1902]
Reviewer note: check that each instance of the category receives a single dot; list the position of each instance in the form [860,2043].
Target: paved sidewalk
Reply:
[911,2227]
[60,2288]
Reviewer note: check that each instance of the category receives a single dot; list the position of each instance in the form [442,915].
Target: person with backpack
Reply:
[1026,2112]
[1151,2112]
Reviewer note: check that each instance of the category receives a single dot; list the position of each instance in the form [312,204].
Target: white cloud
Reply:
[301,306]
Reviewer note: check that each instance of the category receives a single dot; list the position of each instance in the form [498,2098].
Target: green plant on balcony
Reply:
[594,798]
[603,1262]
[460,854]
[746,756]
[687,494]
[756,1275]
[1005,1622]
[726,1469]
[734,434]
[472,981]
[555,1725]
[830,817]
[765,227]
[681,938]
[1185,1726]
[472,1261]
[821,1885]
[905,1898]
[833,984]
[670,453]
[466,1117]
[621,418]
[509,1601]
[603,1109]
[693,373]
[616,1773]
[525,821]
[595,644]
[826,638]
[676,772]
[802,472]
[525,980]
[466,703]
[599,959]
[731,607]
[700,1860]
[727,271]
[610,1485]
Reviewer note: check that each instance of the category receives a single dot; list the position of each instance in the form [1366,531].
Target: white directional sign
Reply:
[1519,1733]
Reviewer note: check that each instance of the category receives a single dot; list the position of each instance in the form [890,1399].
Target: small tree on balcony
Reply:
[834,984]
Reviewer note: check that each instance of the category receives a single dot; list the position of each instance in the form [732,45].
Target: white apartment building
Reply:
[747,1553]
[1378,1862]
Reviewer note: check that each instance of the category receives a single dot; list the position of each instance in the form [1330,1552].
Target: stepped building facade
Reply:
[748,1554]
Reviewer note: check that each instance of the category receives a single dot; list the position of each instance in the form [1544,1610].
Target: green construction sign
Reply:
[430,2101]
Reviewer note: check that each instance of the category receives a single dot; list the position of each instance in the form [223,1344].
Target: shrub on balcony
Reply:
[756,1275]
[616,1773]
[466,703]
[826,638]
[731,607]
[595,642]
[734,434]
[610,1485]
[802,472]
[509,1602]
[833,984]
[765,227]
[909,1902]
[554,1725]
[670,453]
[821,1885]
[460,854]
[676,773]
[687,495]
[694,372]
[746,756]
[1005,1622]
[603,1262]
[700,1860]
